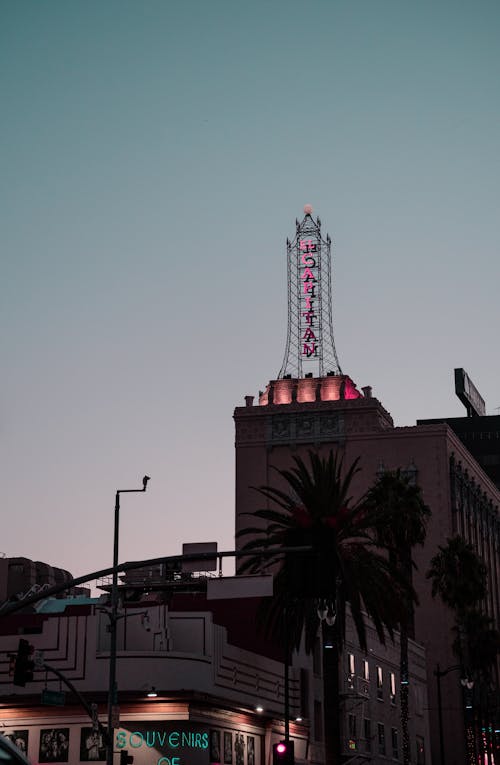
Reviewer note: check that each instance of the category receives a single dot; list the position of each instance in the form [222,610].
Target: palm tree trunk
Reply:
[403,693]
[331,700]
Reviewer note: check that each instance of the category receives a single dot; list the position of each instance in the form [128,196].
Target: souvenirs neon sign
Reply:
[309,278]
[170,740]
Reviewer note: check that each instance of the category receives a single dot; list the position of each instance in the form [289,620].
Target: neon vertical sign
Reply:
[309,341]
[309,280]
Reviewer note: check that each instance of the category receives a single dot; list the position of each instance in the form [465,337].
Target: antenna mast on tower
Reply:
[310,347]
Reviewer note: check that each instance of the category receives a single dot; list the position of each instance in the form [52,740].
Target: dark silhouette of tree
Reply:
[343,566]
[398,515]
[483,643]
[459,577]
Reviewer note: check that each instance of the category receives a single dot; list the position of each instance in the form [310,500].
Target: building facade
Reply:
[295,415]
[197,683]
[187,694]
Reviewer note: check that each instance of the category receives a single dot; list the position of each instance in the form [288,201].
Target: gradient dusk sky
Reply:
[154,157]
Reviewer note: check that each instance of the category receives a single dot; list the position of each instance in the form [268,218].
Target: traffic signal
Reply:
[125,757]
[23,668]
[283,753]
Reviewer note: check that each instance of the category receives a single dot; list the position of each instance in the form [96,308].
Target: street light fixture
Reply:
[465,682]
[113,620]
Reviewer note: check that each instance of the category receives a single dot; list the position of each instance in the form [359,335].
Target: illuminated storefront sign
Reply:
[309,278]
[169,746]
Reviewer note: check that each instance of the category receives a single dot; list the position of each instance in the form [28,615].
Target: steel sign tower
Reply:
[310,347]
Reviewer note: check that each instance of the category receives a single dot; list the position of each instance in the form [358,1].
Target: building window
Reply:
[352,726]
[351,668]
[366,670]
[381,738]
[394,742]
[393,688]
[380,684]
[367,734]
[420,751]
[351,664]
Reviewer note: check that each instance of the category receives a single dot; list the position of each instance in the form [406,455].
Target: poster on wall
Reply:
[92,747]
[54,745]
[215,747]
[228,748]
[250,750]
[20,739]
[239,748]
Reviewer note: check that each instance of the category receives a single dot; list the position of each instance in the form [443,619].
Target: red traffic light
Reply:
[283,753]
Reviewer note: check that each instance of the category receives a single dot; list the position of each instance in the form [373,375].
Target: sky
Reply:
[154,155]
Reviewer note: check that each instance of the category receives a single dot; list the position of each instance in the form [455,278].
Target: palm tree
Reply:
[343,566]
[459,577]
[398,514]
[483,648]
[483,643]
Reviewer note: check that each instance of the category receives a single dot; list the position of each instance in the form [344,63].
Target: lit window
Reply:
[393,687]
[381,738]
[380,683]
[352,664]
[366,670]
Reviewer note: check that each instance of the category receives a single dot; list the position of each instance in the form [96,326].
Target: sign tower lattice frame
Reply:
[310,346]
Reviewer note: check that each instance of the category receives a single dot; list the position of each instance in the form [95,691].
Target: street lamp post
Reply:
[113,619]
[286,617]
[465,682]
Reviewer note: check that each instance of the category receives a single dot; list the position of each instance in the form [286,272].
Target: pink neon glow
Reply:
[309,335]
[307,275]
[309,279]
[309,350]
[283,391]
[308,260]
[307,245]
[306,390]
[281,748]
[350,389]
[308,316]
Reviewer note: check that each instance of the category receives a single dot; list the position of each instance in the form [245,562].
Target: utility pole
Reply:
[113,709]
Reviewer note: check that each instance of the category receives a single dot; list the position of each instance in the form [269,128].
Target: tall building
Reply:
[322,409]
[480,433]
